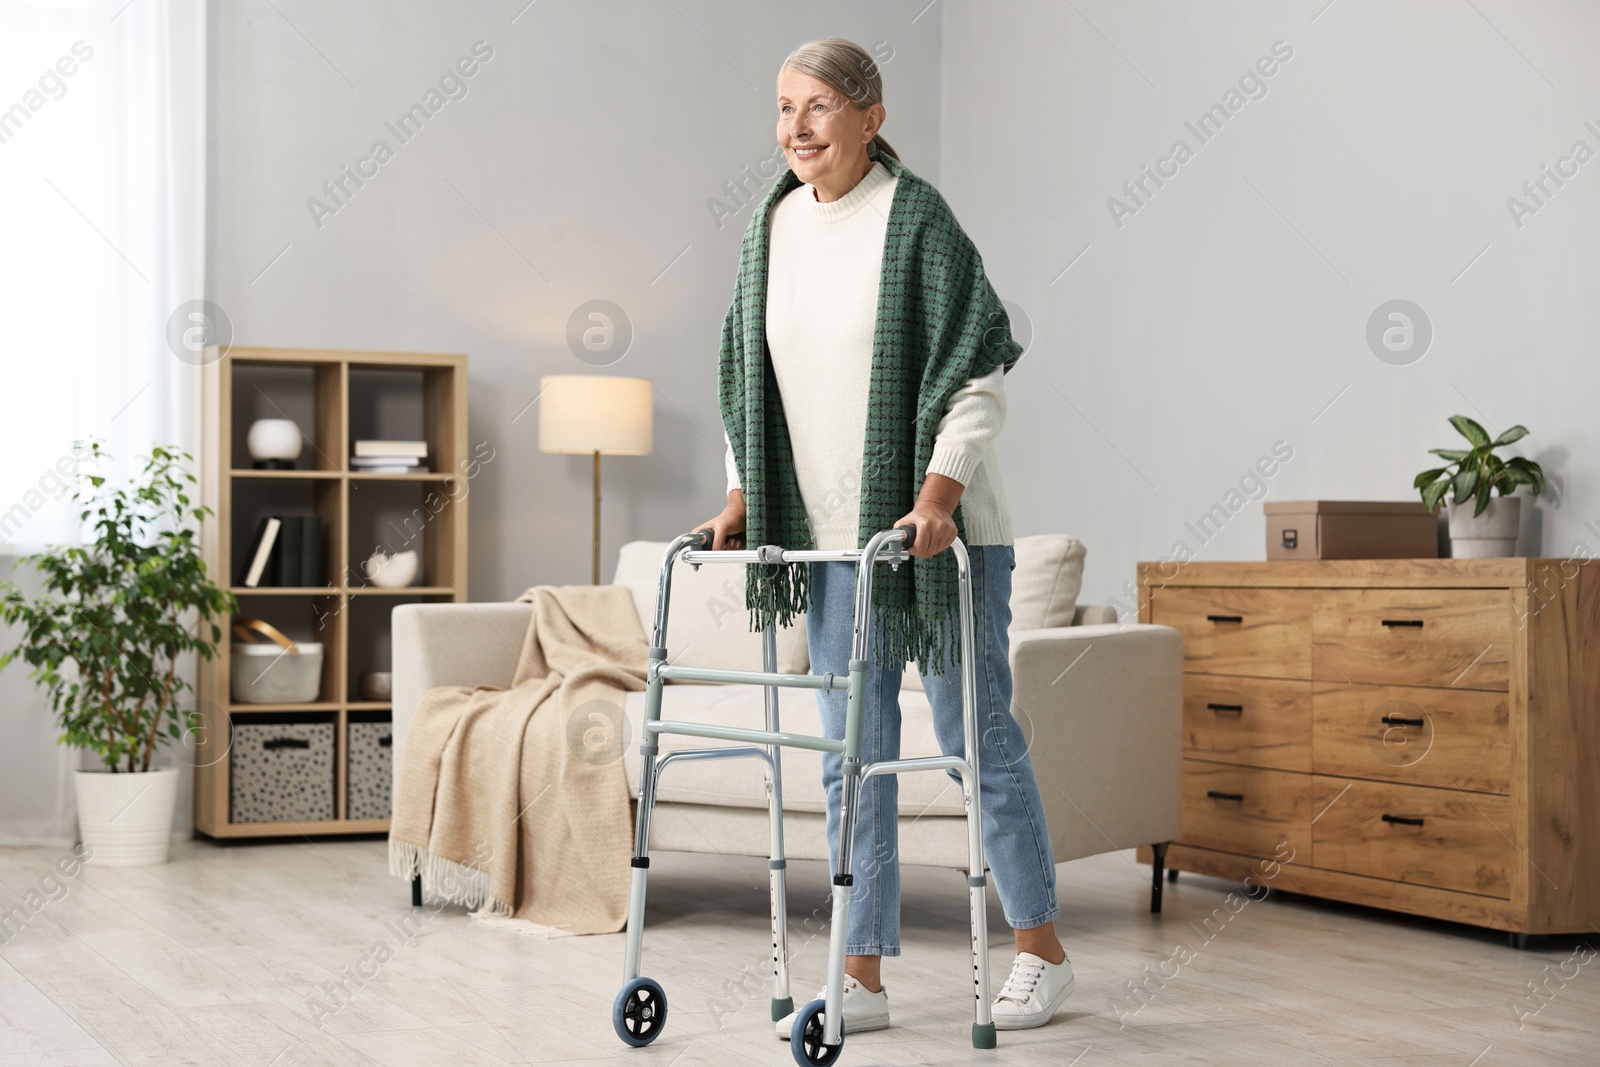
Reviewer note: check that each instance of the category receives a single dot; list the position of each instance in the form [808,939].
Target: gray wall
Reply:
[1227,314]
[1230,311]
[580,165]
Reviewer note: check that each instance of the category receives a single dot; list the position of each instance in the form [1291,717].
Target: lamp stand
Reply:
[597,518]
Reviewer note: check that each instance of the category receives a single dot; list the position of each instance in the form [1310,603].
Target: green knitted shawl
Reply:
[939,323]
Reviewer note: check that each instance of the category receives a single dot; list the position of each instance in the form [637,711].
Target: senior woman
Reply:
[861,389]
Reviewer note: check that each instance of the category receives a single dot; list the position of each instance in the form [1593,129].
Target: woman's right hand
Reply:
[728,528]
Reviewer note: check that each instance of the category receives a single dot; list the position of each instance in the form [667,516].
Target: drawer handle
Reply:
[1395,720]
[1214,795]
[1415,624]
[1225,618]
[1239,708]
[285,742]
[1404,820]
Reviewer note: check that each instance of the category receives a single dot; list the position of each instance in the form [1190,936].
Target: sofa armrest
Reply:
[451,644]
[1093,614]
[1103,707]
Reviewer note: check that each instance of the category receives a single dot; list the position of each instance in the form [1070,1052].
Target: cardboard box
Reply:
[1350,529]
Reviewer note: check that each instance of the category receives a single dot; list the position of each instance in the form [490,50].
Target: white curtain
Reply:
[102,169]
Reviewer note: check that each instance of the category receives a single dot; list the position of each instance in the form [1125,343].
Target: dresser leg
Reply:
[1517,941]
[416,891]
[1158,859]
[1172,876]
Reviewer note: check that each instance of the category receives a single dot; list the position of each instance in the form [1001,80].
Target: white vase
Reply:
[1494,533]
[274,439]
[126,818]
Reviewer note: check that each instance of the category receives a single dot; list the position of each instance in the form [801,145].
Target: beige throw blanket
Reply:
[514,801]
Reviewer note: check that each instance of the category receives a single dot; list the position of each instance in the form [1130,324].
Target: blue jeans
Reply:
[1015,839]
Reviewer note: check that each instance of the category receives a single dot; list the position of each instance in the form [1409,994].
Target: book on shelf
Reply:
[260,554]
[389,449]
[385,464]
[311,551]
[370,463]
[286,560]
[286,551]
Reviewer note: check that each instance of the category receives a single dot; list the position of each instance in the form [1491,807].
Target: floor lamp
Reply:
[595,414]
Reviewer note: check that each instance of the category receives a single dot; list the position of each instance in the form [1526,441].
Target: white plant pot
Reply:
[126,819]
[1494,533]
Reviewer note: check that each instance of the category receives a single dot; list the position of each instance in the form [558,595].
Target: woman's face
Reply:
[824,136]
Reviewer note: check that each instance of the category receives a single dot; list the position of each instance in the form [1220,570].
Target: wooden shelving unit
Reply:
[335,397]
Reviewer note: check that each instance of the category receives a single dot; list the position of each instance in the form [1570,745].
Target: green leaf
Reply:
[1476,434]
[1483,499]
[1452,455]
[1433,494]
[1428,477]
[1531,469]
[1516,433]
[1466,480]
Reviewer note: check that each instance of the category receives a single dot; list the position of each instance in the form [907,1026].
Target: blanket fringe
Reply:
[403,859]
[446,879]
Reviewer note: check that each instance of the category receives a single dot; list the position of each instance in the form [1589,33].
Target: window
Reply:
[102,162]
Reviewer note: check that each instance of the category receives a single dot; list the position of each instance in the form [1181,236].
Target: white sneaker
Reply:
[1032,993]
[863,1009]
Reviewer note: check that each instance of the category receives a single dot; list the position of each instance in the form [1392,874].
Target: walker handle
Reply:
[707,539]
[911,535]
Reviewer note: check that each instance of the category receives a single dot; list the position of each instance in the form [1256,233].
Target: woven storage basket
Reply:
[369,775]
[281,772]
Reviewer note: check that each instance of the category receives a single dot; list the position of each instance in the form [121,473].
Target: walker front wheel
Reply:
[640,1011]
[805,1040]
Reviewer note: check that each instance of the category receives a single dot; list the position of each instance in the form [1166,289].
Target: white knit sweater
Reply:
[825,264]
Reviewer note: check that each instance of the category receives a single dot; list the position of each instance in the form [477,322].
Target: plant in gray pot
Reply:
[104,638]
[1476,474]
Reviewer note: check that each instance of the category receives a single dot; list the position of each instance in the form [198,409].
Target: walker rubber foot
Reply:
[780,1008]
[983,1035]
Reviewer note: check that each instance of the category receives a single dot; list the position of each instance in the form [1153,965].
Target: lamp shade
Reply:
[594,413]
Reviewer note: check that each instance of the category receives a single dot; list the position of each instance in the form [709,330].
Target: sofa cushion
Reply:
[1047,581]
[738,782]
[707,621]
[1044,587]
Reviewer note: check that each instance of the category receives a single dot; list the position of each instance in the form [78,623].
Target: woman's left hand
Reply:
[936,530]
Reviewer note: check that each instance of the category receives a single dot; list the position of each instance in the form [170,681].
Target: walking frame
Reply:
[640,1010]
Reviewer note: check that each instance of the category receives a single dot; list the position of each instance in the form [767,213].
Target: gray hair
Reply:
[847,69]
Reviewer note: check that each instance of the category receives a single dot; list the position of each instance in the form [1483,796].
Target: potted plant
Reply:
[104,638]
[1475,474]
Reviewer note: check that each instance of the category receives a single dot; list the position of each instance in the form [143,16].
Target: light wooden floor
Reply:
[219,958]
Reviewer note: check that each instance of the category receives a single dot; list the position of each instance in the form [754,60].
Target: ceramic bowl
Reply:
[376,685]
[391,572]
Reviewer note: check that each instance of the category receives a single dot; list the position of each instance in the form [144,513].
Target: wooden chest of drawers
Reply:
[1419,735]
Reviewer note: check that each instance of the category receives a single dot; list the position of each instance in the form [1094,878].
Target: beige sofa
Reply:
[1100,701]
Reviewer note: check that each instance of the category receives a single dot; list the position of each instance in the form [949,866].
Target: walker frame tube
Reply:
[886,546]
